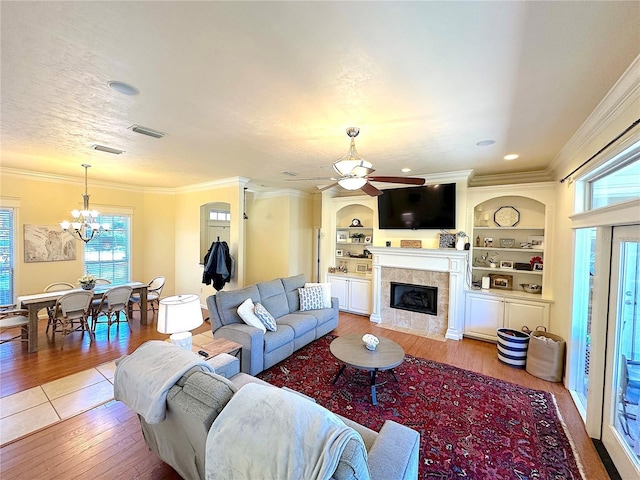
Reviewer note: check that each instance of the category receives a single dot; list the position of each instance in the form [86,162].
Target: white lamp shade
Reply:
[353,183]
[179,313]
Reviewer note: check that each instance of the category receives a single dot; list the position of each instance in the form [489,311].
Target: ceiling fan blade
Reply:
[308,179]
[328,187]
[370,190]
[405,180]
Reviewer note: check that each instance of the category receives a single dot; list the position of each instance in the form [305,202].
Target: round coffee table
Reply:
[350,350]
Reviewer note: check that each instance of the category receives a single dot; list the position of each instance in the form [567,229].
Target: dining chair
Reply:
[113,302]
[629,394]
[12,317]
[154,290]
[103,281]
[55,287]
[71,314]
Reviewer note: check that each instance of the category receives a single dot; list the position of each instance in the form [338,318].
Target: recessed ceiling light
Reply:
[511,156]
[123,88]
[147,131]
[405,170]
[485,143]
[102,148]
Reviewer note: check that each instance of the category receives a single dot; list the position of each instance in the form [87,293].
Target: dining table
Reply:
[37,301]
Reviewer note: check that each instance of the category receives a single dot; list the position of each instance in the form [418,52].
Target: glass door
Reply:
[621,418]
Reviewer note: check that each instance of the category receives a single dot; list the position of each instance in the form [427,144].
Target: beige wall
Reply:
[279,236]
[44,201]
[187,262]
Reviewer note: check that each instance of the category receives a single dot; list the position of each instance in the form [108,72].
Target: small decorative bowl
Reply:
[370,341]
[531,287]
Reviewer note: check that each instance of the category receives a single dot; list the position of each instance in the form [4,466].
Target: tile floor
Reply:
[36,408]
[39,407]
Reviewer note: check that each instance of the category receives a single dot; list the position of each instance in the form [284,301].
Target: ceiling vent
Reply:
[147,131]
[102,148]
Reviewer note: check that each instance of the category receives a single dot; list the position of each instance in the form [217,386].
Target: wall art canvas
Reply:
[44,243]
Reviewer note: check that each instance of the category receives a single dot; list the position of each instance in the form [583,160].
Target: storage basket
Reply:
[546,356]
[512,347]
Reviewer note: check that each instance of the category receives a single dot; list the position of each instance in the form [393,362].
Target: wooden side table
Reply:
[216,347]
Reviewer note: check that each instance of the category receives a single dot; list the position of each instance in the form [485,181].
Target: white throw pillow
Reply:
[245,310]
[326,292]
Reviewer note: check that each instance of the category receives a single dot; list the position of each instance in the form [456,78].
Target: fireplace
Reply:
[444,268]
[415,298]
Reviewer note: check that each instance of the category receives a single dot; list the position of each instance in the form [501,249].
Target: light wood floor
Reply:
[106,442]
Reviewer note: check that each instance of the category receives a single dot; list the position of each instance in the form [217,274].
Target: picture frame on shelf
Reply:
[447,240]
[361,268]
[367,239]
[506,264]
[537,267]
[536,241]
[341,237]
[488,242]
[503,282]
[339,253]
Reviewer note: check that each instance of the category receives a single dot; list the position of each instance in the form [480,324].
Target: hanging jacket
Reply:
[217,265]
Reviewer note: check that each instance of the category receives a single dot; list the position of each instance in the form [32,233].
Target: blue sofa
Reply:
[281,298]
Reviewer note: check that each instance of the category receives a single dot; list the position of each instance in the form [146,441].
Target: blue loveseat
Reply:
[295,329]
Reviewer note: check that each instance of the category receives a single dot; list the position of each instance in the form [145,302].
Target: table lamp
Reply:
[177,315]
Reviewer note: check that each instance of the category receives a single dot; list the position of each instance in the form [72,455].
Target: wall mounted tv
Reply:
[412,208]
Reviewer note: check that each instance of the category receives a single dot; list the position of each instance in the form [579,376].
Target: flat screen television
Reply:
[413,208]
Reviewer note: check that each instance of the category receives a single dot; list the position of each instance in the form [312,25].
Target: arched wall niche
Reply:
[215,223]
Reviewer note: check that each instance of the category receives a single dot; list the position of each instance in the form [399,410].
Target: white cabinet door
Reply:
[340,289]
[483,316]
[518,313]
[359,296]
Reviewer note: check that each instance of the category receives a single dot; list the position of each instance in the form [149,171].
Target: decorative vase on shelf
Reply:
[460,243]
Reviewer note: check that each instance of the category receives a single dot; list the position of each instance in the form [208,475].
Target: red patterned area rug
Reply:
[471,426]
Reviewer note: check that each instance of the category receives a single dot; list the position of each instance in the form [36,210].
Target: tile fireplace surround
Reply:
[442,268]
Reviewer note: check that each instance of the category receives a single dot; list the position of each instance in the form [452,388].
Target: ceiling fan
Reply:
[355,172]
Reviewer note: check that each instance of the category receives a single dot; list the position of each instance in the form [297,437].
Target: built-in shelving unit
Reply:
[508,244]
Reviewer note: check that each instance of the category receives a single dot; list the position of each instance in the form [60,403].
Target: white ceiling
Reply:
[254,89]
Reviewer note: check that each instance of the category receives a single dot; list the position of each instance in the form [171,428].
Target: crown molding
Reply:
[213,184]
[622,95]
[511,178]
[54,178]
[287,192]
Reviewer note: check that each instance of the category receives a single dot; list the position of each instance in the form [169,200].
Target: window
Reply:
[109,254]
[6,255]
[615,186]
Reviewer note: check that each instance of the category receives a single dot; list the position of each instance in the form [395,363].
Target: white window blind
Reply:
[109,254]
[6,255]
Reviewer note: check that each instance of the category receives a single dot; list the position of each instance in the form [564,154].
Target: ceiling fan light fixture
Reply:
[352,164]
[352,183]
[352,167]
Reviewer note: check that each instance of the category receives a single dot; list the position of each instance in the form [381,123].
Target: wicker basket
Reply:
[546,359]
[512,347]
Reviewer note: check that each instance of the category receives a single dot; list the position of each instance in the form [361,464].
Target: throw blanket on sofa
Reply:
[144,377]
[269,433]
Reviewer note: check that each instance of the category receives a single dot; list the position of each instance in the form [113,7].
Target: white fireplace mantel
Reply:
[440,260]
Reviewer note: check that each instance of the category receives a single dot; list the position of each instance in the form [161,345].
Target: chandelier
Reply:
[84,223]
[352,167]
